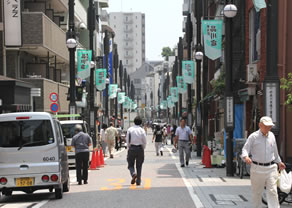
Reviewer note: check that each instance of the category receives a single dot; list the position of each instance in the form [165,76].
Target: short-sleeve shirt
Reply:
[158,136]
[111,133]
[81,142]
[183,133]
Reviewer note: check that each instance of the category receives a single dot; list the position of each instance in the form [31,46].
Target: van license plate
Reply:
[24,182]
[69,148]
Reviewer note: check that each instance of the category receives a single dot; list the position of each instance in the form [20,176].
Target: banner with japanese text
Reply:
[181,85]
[126,104]
[112,91]
[83,63]
[212,32]
[100,79]
[188,70]
[121,97]
[163,105]
[259,4]
[170,104]
[174,94]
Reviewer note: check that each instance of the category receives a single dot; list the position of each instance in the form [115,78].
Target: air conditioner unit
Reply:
[252,72]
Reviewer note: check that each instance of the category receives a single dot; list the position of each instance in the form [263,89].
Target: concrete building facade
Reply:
[130,36]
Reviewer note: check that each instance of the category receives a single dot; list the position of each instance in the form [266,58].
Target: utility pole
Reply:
[106,52]
[91,28]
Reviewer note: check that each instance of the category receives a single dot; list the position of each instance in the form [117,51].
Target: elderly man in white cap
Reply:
[262,147]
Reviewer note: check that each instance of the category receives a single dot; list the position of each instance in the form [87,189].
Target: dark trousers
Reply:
[117,144]
[135,153]
[82,159]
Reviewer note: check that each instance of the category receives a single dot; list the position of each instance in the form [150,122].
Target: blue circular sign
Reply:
[54,107]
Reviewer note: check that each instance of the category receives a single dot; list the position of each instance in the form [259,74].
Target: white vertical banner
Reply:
[12,23]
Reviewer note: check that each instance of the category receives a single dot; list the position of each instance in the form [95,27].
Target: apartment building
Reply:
[33,52]
[130,37]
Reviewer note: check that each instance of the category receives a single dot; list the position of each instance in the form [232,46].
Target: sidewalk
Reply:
[211,188]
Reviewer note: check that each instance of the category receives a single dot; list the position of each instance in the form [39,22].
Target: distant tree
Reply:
[286,84]
[166,52]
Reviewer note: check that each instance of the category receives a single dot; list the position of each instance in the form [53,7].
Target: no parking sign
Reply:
[54,107]
[54,98]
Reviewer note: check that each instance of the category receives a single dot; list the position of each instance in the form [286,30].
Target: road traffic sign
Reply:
[54,107]
[54,97]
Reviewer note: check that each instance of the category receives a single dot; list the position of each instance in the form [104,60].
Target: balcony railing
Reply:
[42,35]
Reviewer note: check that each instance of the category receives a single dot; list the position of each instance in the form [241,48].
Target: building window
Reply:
[127,62]
[136,17]
[254,35]
[114,17]
[136,26]
[126,18]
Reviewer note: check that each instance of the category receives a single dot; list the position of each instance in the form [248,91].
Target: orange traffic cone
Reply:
[208,158]
[97,160]
[93,161]
[101,157]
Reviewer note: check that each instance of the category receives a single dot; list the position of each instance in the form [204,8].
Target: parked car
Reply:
[68,128]
[32,154]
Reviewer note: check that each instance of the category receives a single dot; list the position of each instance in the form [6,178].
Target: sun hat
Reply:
[267,121]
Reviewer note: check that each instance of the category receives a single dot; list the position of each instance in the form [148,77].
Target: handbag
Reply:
[285,181]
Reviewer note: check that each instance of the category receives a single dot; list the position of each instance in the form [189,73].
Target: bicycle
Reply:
[282,196]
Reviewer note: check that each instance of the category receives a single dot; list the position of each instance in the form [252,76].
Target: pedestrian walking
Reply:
[157,137]
[172,130]
[111,134]
[164,136]
[145,128]
[136,141]
[183,138]
[119,138]
[102,139]
[81,141]
[264,160]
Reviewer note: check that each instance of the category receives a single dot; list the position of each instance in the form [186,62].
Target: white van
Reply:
[32,154]
[68,128]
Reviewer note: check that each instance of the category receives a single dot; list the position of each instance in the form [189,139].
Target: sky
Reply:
[163,19]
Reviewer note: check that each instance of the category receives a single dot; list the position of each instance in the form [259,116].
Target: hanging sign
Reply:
[170,104]
[212,31]
[83,63]
[121,97]
[12,23]
[181,85]
[188,70]
[174,94]
[259,4]
[100,75]
[112,91]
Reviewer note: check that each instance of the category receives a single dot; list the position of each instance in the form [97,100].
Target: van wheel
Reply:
[66,185]
[58,193]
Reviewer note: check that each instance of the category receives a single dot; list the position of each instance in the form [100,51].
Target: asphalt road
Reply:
[162,186]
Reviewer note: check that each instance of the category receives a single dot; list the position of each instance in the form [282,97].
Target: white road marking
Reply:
[194,196]
[42,203]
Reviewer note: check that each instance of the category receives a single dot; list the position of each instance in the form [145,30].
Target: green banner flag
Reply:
[83,63]
[259,4]
[174,94]
[181,85]
[121,97]
[112,91]
[100,78]
[188,70]
[163,105]
[212,32]
[126,104]
[170,104]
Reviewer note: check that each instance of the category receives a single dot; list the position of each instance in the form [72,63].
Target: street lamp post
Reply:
[230,11]
[198,66]
[189,37]
[71,44]
[180,58]
[116,64]
[106,52]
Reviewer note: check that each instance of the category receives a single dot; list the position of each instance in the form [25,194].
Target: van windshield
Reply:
[69,130]
[26,133]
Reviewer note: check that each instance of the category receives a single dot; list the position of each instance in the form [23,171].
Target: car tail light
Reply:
[45,178]
[54,177]
[3,181]
[22,117]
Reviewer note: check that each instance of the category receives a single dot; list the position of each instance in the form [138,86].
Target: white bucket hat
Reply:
[267,121]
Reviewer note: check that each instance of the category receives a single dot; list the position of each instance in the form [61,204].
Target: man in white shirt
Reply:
[183,137]
[262,147]
[136,141]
